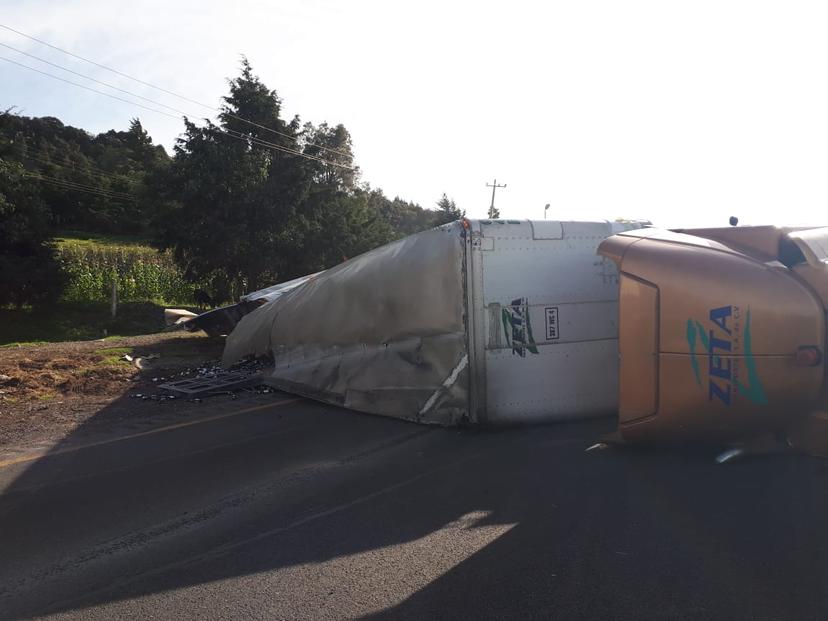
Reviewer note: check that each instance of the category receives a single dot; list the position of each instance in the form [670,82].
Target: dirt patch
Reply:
[40,377]
[49,390]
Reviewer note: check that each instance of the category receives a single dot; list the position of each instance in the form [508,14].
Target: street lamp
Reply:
[545,209]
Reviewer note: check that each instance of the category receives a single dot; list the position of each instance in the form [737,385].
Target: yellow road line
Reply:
[72,449]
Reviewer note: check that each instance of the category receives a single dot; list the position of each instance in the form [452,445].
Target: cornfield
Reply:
[141,272]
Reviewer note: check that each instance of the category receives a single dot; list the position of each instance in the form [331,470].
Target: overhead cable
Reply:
[82,75]
[158,88]
[82,186]
[231,133]
[75,187]
[93,171]
[88,88]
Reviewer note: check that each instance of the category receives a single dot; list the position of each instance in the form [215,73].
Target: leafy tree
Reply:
[331,144]
[141,149]
[403,217]
[234,190]
[29,273]
[494,213]
[243,210]
[92,183]
[447,211]
[337,227]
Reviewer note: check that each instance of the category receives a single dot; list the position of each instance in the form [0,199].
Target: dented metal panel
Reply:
[382,333]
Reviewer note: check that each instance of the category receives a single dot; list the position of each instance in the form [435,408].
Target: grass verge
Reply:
[78,321]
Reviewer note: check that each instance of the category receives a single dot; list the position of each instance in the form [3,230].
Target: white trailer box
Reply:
[478,321]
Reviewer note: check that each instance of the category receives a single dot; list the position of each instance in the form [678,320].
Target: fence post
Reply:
[114,298]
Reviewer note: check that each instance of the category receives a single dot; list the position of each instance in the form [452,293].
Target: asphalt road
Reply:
[288,509]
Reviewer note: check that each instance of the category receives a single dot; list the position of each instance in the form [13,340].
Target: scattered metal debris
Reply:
[729,455]
[173,317]
[204,385]
[140,362]
[207,380]
[212,380]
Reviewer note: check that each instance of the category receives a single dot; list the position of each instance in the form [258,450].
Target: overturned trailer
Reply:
[698,335]
[478,321]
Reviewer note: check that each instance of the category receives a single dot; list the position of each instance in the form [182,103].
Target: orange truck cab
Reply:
[722,336]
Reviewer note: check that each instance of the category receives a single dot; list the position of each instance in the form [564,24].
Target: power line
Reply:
[81,75]
[69,182]
[88,88]
[83,189]
[93,171]
[92,62]
[240,135]
[158,88]
[82,186]
[247,137]
[28,172]
[76,187]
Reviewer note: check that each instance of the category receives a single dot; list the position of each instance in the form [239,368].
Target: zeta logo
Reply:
[727,342]
[518,328]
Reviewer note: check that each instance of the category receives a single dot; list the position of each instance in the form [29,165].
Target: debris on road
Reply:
[140,362]
[223,383]
[211,380]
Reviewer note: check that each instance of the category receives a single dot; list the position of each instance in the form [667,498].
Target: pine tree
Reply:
[447,211]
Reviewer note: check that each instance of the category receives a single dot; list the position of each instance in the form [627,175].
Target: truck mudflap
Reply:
[722,335]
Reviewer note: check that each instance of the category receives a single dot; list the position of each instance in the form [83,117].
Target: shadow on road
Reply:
[304,510]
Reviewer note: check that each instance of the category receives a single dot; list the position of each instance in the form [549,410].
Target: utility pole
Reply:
[494,214]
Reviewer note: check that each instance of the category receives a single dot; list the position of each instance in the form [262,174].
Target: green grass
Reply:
[101,239]
[113,356]
[76,321]
[114,351]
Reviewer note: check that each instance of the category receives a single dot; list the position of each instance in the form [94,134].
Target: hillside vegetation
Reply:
[242,202]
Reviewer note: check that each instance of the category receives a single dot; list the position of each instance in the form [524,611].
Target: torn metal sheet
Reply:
[480,321]
[222,321]
[176,316]
[276,291]
[218,321]
[379,333]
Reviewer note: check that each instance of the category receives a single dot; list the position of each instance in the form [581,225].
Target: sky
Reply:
[682,113]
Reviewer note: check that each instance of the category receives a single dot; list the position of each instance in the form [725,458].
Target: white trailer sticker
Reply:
[551,323]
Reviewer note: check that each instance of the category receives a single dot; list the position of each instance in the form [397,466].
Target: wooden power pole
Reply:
[494,214]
